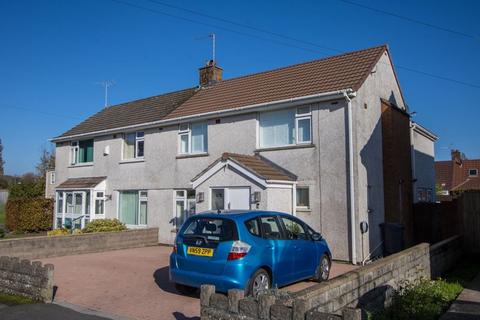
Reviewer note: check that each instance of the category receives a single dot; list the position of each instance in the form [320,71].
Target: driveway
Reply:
[132,283]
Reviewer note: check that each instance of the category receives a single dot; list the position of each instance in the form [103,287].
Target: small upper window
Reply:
[81,151]
[473,172]
[52,177]
[133,145]
[303,198]
[193,138]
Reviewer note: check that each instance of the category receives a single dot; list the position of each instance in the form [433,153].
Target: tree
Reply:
[47,162]
[2,171]
[28,186]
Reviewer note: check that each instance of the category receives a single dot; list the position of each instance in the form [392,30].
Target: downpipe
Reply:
[348,95]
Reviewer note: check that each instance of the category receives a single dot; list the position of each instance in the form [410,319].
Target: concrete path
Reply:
[467,305]
[132,283]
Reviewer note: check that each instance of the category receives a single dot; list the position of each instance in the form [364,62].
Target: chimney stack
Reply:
[457,156]
[210,74]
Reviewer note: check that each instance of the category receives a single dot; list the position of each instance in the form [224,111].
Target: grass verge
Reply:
[2,213]
[12,300]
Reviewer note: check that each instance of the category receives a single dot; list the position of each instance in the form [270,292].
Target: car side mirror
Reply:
[316,236]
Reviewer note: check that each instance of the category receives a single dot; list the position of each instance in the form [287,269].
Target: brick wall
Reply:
[56,246]
[26,278]
[369,287]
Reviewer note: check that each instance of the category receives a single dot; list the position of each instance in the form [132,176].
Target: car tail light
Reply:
[239,250]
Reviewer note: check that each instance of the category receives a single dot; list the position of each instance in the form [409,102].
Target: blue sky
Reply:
[54,53]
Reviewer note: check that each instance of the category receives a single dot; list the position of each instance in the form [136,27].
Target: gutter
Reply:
[279,104]
[353,225]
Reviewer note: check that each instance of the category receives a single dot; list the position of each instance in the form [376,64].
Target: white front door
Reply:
[239,198]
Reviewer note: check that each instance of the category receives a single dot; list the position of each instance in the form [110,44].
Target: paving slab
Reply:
[467,304]
[132,283]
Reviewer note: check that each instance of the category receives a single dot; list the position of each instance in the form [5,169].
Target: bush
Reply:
[58,232]
[27,189]
[104,225]
[29,215]
[426,299]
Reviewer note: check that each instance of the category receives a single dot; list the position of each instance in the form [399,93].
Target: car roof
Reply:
[239,214]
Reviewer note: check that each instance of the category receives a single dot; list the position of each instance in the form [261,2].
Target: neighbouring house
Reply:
[423,163]
[456,175]
[50,184]
[305,139]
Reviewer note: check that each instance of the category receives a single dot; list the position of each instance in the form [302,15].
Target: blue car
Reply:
[249,250]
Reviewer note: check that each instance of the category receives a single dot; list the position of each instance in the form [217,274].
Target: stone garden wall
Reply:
[55,246]
[369,287]
[26,278]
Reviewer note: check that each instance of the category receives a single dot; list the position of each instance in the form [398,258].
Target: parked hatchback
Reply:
[250,250]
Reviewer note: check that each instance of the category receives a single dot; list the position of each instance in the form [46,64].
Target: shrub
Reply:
[58,232]
[426,299]
[104,225]
[29,214]
[26,189]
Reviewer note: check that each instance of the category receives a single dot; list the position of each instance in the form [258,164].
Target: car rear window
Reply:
[213,229]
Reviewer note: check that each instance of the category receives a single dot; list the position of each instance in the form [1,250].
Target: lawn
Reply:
[2,213]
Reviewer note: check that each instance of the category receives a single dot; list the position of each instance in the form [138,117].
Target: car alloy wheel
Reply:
[260,282]
[324,268]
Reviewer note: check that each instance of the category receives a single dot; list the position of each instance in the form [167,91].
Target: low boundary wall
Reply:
[25,278]
[56,246]
[370,287]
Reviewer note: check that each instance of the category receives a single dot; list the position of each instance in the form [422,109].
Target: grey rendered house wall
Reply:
[321,167]
[424,163]
[368,164]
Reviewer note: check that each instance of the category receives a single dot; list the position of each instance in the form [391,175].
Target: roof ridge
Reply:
[298,64]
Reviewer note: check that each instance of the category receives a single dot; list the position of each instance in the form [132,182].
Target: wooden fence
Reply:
[469,206]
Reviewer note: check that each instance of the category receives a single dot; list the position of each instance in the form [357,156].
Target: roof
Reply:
[84,183]
[468,184]
[346,71]
[456,176]
[255,164]
[443,174]
[341,72]
[131,113]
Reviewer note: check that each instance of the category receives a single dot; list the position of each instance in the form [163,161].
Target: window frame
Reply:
[308,207]
[140,200]
[299,116]
[188,132]
[52,177]
[75,152]
[470,172]
[96,198]
[137,140]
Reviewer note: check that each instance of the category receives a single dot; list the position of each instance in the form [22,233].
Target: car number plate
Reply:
[205,252]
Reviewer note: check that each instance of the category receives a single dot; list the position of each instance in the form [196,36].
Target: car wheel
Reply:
[183,289]
[260,282]
[323,269]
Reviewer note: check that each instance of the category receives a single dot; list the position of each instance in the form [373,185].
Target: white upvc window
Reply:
[192,138]
[285,127]
[133,206]
[99,203]
[134,145]
[303,198]
[185,204]
[81,151]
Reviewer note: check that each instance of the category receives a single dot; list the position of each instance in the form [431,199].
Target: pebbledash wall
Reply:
[26,278]
[55,246]
[369,288]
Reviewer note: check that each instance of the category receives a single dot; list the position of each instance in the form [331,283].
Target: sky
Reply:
[54,54]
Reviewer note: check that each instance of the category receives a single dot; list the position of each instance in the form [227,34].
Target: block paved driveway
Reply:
[132,283]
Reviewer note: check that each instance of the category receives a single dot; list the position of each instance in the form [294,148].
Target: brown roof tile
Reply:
[132,113]
[84,183]
[346,71]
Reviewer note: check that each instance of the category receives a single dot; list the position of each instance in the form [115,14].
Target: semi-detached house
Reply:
[304,139]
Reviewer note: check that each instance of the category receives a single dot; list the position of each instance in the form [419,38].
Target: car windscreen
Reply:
[211,229]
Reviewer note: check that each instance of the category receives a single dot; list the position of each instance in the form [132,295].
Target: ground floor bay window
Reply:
[72,209]
[133,207]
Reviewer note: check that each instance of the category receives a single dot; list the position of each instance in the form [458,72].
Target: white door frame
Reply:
[226,199]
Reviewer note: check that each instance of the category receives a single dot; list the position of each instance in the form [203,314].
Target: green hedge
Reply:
[29,214]
[104,225]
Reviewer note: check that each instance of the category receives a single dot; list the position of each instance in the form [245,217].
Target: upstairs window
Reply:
[193,138]
[472,172]
[285,127]
[133,145]
[81,151]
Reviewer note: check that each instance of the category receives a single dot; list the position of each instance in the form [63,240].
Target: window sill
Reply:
[293,146]
[136,226]
[78,165]
[192,155]
[135,160]
[304,210]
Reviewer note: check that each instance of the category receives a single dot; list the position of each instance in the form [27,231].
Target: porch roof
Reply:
[255,165]
[81,183]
